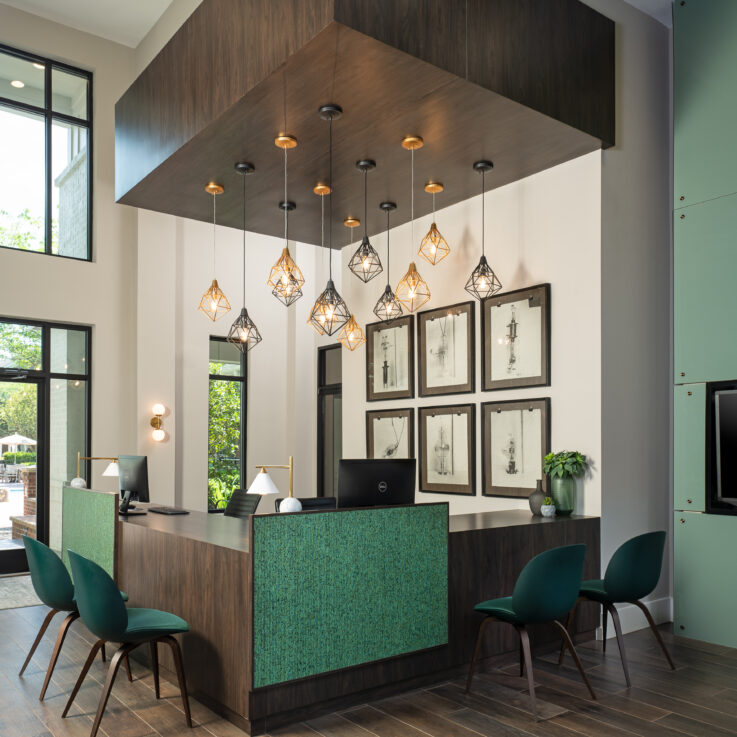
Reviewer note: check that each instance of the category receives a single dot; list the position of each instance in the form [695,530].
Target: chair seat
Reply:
[123,596]
[594,590]
[499,608]
[146,624]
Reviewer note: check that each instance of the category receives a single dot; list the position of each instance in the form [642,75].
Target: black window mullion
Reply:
[47,122]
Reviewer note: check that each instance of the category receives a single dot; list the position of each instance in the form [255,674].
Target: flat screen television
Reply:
[721,447]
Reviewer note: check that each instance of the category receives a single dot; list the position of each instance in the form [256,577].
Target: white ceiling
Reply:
[659,9]
[123,21]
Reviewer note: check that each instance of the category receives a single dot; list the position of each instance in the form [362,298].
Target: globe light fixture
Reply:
[483,282]
[365,262]
[433,247]
[387,307]
[214,304]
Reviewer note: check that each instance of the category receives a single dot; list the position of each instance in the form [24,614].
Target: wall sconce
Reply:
[158,411]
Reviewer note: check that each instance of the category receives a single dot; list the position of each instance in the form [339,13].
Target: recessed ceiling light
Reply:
[17,83]
[38,66]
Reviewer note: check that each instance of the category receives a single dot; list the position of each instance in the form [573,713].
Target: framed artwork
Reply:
[515,333]
[390,433]
[445,349]
[390,367]
[447,449]
[515,437]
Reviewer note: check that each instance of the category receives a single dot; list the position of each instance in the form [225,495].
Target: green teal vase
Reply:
[564,494]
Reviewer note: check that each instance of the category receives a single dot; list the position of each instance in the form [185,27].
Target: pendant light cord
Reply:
[214,220]
[365,203]
[412,198]
[433,206]
[286,207]
[244,239]
[483,213]
[388,280]
[330,224]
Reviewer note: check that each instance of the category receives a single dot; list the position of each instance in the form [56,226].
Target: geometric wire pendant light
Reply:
[434,247]
[483,282]
[351,336]
[387,307]
[320,190]
[286,279]
[243,333]
[365,262]
[214,304]
[330,312]
[412,290]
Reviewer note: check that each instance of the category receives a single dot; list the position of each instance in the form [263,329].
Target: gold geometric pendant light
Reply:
[434,247]
[351,336]
[214,304]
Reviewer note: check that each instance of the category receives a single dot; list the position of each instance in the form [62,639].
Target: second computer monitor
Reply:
[133,477]
[373,483]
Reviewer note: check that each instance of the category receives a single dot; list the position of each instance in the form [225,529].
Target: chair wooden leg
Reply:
[604,623]
[155,666]
[476,651]
[128,668]
[569,627]
[654,628]
[112,670]
[57,649]
[521,659]
[569,642]
[83,673]
[44,626]
[524,638]
[103,654]
[177,653]
[620,641]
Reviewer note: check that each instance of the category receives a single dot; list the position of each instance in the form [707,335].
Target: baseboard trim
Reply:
[632,619]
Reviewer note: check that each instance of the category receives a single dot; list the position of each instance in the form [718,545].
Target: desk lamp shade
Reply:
[111,470]
[262,484]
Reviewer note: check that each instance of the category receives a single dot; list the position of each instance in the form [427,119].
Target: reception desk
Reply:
[295,614]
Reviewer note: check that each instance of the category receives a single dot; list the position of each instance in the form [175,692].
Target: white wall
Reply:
[545,228]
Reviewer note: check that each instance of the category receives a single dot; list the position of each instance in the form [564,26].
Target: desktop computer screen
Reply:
[374,483]
[132,482]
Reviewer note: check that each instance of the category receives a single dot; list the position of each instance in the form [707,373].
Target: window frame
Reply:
[243,378]
[49,117]
[323,390]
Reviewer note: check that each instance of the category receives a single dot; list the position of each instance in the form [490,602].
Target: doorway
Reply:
[329,418]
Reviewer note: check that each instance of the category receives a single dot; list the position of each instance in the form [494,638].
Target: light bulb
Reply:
[158,435]
[433,249]
[366,265]
[389,308]
[158,409]
[213,304]
[17,84]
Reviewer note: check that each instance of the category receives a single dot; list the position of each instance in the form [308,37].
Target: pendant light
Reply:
[434,247]
[365,262]
[483,282]
[351,336]
[214,304]
[387,308]
[330,312]
[286,279]
[243,333]
[320,190]
[412,290]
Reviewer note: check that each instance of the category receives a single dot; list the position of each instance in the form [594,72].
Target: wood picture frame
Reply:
[515,437]
[380,440]
[446,350]
[515,339]
[447,449]
[390,364]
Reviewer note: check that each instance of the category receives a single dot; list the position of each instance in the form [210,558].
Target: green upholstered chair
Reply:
[632,573]
[105,615]
[53,585]
[545,591]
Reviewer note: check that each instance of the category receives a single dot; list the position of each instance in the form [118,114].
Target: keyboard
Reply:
[167,510]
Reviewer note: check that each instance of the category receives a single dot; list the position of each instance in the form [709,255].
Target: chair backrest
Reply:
[549,584]
[242,504]
[313,502]
[634,569]
[98,599]
[49,576]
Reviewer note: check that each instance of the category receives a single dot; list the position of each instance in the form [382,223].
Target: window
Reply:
[226,440]
[45,145]
[329,418]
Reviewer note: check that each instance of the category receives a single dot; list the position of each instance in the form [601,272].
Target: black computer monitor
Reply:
[373,483]
[132,482]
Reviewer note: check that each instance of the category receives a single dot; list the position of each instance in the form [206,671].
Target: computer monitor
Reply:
[133,482]
[373,483]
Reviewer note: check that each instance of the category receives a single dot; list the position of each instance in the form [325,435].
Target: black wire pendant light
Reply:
[387,308]
[365,262]
[243,333]
[483,282]
[330,312]
[321,190]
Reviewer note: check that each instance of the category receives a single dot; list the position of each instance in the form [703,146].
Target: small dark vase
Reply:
[536,499]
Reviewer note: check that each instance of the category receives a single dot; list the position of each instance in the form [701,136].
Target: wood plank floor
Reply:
[698,699]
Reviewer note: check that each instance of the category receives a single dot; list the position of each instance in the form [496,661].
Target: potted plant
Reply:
[548,507]
[564,468]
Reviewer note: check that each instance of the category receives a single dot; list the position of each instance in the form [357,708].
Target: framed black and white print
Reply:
[515,333]
[445,350]
[447,449]
[390,433]
[515,437]
[390,368]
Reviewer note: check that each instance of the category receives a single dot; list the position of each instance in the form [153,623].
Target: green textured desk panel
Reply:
[333,590]
[88,525]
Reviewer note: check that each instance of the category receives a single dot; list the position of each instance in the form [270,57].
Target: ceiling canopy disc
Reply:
[245,167]
[483,165]
[330,111]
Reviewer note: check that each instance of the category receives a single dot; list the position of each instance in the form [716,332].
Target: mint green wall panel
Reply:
[705,577]
[704,99]
[704,293]
[88,525]
[333,590]
[689,413]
